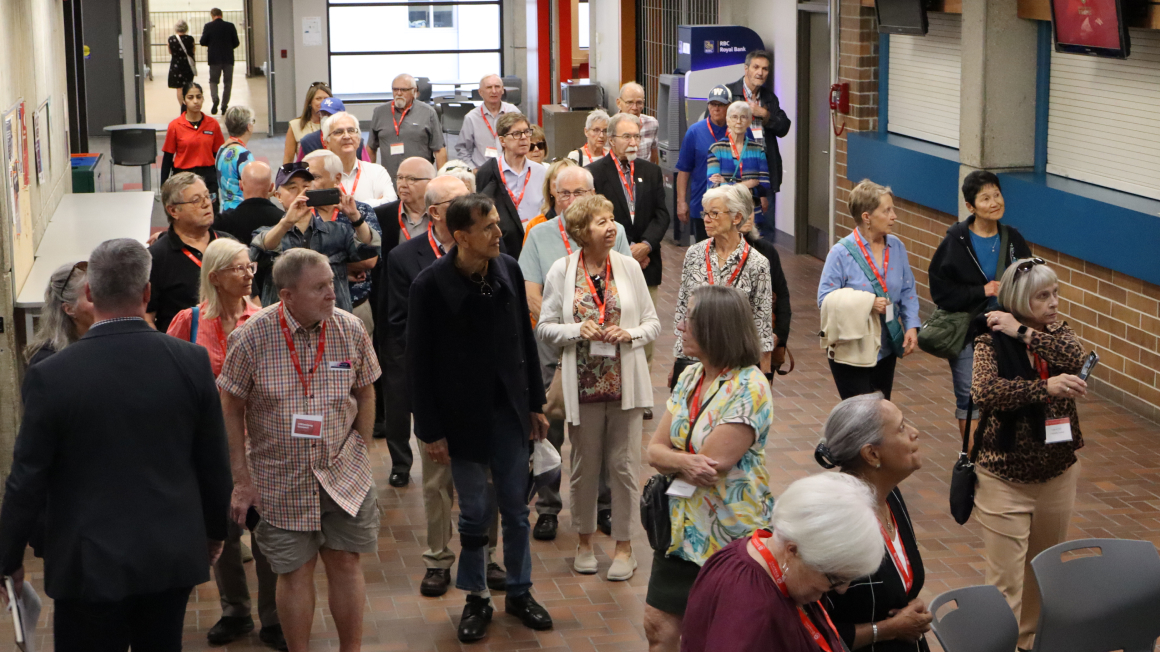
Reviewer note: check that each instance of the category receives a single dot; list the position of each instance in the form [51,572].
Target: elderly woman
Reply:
[181,46]
[869,438]
[762,592]
[597,309]
[309,122]
[726,259]
[233,155]
[965,270]
[712,438]
[66,316]
[861,261]
[538,150]
[740,159]
[1025,386]
[548,206]
[596,131]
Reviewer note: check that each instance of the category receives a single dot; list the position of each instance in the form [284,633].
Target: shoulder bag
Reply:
[188,56]
[944,333]
[963,476]
[894,326]
[554,408]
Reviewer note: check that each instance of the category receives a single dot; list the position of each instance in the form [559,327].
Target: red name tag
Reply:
[306,426]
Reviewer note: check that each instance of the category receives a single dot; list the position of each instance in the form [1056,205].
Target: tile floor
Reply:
[1118,497]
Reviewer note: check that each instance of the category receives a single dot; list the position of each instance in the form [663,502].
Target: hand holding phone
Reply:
[327,197]
[1088,364]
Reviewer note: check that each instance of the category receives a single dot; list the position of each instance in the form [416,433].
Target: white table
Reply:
[81,222]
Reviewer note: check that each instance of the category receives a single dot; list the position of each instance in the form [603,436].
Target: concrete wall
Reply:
[604,50]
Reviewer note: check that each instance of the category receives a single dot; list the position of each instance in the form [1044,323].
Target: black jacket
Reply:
[402,268]
[956,279]
[470,357]
[219,38]
[776,126]
[781,310]
[124,448]
[490,182]
[652,216]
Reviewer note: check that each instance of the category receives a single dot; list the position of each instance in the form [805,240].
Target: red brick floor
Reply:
[1117,498]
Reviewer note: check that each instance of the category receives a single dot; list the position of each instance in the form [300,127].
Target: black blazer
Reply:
[652,216]
[124,447]
[403,267]
[219,38]
[871,599]
[781,310]
[776,126]
[465,354]
[956,280]
[489,182]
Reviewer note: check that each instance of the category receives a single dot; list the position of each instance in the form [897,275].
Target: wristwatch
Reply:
[363,220]
[1022,330]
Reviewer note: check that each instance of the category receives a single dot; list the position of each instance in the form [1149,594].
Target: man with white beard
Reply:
[404,128]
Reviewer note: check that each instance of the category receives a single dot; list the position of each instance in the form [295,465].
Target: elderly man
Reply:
[255,210]
[367,182]
[233,157]
[478,138]
[298,403]
[349,242]
[691,178]
[176,272]
[631,101]
[769,121]
[405,128]
[513,182]
[122,444]
[313,140]
[468,311]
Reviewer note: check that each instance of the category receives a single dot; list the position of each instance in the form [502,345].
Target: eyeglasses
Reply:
[349,131]
[714,215]
[518,135]
[1027,265]
[835,582]
[200,199]
[632,138]
[598,132]
[564,194]
[634,104]
[58,289]
[252,268]
[410,180]
[481,282]
[540,145]
[403,90]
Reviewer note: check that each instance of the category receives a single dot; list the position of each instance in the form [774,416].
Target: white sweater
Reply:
[558,326]
[851,333]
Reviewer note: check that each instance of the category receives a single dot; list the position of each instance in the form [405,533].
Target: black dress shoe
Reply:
[545,529]
[435,582]
[531,613]
[272,637]
[475,619]
[604,521]
[399,479]
[496,577]
[230,628]
[648,414]
[213,111]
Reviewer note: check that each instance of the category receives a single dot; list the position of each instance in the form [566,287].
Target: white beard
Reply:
[630,155]
[400,104]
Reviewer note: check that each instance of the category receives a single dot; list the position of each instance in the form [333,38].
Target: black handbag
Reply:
[654,512]
[963,476]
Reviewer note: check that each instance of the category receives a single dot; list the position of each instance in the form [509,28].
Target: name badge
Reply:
[396,149]
[490,152]
[1058,430]
[343,365]
[208,133]
[681,489]
[306,426]
[603,349]
[889,311]
[757,133]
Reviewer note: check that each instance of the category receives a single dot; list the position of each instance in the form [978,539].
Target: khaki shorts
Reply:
[289,550]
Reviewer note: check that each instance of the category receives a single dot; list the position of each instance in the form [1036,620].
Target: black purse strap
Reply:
[973,453]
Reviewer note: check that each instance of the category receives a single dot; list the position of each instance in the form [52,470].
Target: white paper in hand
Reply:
[545,457]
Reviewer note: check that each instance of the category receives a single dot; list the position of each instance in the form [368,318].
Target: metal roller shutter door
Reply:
[924,82]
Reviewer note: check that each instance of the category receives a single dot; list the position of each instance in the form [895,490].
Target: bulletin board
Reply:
[17,213]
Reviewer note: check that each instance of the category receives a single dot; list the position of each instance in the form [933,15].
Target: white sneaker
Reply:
[622,569]
[585,562]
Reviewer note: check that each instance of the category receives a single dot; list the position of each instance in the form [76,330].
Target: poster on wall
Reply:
[24,162]
[46,136]
[12,165]
[40,142]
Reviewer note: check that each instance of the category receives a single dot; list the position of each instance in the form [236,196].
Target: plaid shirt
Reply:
[287,471]
[648,137]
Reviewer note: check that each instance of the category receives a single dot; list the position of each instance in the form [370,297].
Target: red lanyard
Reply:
[195,259]
[710,126]
[901,561]
[695,403]
[1041,367]
[736,154]
[775,570]
[628,184]
[740,263]
[431,241]
[402,226]
[483,115]
[600,300]
[303,378]
[333,217]
[403,117]
[528,178]
[748,93]
[870,259]
[357,174]
[563,235]
[589,154]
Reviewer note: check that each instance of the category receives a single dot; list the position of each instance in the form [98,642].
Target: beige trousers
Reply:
[608,433]
[1019,522]
[438,500]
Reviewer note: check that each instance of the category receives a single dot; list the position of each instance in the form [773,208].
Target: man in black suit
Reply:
[513,181]
[477,397]
[123,447]
[219,38]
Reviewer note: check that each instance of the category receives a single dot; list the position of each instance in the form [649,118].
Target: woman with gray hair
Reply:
[66,315]
[233,155]
[763,591]
[1025,385]
[712,439]
[596,131]
[459,170]
[869,438]
[740,159]
[181,46]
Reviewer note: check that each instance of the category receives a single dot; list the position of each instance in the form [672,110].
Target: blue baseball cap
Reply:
[332,105]
[718,94]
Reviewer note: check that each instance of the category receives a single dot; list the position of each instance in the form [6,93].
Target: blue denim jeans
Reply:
[961,370]
[509,472]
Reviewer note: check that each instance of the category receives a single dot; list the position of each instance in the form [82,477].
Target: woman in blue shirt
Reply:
[740,159]
[872,260]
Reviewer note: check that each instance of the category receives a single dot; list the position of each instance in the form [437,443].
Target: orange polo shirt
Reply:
[193,148]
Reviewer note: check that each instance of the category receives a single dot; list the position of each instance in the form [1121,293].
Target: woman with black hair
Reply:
[192,142]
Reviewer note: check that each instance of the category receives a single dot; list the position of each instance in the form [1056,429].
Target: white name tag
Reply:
[1058,430]
[396,149]
[757,133]
[489,152]
[603,349]
[680,489]
[889,311]
[306,426]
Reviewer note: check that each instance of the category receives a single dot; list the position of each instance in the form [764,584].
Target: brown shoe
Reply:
[435,582]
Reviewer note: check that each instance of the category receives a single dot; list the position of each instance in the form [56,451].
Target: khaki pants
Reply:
[438,499]
[1019,522]
[230,575]
[610,435]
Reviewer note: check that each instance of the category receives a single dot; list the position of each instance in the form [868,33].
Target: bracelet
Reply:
[874,627]
[361,221]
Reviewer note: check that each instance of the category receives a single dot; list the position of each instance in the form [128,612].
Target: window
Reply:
[582,25]
[372,41]
[924,81]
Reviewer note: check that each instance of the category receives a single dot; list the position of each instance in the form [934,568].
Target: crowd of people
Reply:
[288,316]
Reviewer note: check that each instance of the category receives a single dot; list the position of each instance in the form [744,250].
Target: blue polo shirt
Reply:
[694,154]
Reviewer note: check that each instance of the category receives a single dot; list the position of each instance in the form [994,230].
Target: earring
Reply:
[878,466]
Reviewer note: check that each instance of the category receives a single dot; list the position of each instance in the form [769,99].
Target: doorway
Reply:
[813,137]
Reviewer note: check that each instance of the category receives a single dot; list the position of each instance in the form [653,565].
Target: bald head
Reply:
[441,190]
[256,181]
[491,90]
[572,180]
[631,99]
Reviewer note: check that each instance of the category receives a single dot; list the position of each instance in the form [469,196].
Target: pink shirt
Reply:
[209,332]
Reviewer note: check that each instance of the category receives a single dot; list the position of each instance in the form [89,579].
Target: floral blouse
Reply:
[597,376]
[741,501]
[754,281]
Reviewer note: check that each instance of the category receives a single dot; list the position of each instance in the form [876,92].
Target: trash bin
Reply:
[85,172]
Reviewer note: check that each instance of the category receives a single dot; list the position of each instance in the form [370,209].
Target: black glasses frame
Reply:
[58,289]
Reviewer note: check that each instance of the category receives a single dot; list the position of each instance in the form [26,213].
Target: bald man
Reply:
[404,128]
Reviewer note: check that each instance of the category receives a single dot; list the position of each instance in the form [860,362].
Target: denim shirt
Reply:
[842,271]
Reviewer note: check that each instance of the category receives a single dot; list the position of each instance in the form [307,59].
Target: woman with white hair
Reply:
[181,46]
[869,438]
[596,131]
[762,591]
[740,159]
[1025,385]
[66,315]
[460,170]
[233,155]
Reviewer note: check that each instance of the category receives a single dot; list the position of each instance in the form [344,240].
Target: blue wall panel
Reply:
[917,171]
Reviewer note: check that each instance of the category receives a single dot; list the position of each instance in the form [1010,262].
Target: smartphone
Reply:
[328,197]
[1088,364]
[252,519]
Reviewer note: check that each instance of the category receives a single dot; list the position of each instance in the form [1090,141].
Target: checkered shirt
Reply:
[648,136]
[287,471]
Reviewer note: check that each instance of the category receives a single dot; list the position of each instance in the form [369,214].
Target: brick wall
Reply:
[1116,315]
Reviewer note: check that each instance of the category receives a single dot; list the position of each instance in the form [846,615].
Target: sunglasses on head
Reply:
[58,289]
[1027,265]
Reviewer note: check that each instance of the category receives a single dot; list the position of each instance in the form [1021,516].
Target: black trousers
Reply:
[151,622]
[396,411]
[855,381]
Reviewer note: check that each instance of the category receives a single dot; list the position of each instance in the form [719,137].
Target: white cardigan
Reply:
[558,326]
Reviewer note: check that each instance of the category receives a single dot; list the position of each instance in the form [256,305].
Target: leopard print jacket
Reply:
[1029,460]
